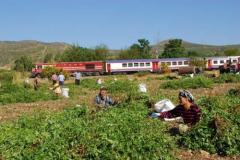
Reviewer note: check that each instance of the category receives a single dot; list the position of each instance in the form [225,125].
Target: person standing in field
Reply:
[61,79]
[78,77]
[36,83]
[54,78]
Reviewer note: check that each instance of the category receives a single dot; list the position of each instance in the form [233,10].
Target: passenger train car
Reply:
[136,65]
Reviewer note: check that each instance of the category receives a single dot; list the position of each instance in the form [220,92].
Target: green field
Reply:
[122,132]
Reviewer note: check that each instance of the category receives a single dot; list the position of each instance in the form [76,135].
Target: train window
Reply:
[124,65]
[135,64]
[185,62]
[215,62]
[90,66]
[180,63]
[163,63]
[141,64]
[168,63]
[148,64]
[174,63]
[39,67]
[234,61]
[130,64]
[221,61]
[228,61]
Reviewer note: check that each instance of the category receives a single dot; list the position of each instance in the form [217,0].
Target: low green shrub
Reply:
[119,133]
[227,78]
[196,82]
[12,93]
[219,129]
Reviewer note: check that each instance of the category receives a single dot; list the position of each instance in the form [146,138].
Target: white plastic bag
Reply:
[99,81]
[65,92]
[164,106]
[142,88]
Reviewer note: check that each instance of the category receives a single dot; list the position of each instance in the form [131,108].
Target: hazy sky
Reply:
[119,23]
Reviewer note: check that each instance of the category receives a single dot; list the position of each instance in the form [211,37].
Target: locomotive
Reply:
[136,65]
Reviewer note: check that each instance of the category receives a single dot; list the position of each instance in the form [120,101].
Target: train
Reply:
[137,65]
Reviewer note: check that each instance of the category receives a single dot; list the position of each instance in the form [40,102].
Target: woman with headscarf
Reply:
[186,109]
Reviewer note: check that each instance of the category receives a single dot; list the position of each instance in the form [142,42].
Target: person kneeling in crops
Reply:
[187,109]
[102,100]
[56,88]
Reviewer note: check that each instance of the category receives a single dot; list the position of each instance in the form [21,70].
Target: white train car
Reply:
[216,62]
[174,63]
[131,65]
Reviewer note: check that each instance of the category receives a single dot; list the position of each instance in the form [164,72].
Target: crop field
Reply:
[40,125]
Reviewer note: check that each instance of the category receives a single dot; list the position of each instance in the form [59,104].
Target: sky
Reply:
[120,23]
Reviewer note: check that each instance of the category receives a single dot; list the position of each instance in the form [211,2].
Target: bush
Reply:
[196,82]
[49,71]
[228,78]
[6,76]
[119,133]
[219,129]
[12,93]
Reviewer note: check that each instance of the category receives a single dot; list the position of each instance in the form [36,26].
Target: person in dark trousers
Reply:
[78,77]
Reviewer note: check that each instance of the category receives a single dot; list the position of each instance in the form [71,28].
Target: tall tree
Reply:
[101,52]
[24,63]
[137,50]
[48,58]
[173,49]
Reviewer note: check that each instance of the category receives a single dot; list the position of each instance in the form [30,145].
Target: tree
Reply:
[77,53]
[231,52]
[137,50]
[101,52]
[48,58]
[173,49]
[24,63]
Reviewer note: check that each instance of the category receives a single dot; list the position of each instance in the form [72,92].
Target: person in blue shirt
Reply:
[102,99]
[61,79]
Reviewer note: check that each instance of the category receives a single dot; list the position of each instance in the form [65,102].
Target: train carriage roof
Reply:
[132,60]
[173,59]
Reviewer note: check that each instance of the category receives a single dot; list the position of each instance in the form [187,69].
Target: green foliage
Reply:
[76,53]
[48,58]
[140,50]
[49,71]
[101,52]
[195,82]
[198,62]
[227,78]
[173,49]
[231,52]
[24,63]
[6,76]
[89,83]
[218,130]
[12,93]
[119,133]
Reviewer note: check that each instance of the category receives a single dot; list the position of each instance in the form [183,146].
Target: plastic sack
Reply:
[164,106]
[99,81]
[142,87]
[65,92]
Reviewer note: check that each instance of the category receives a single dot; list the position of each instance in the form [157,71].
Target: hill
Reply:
[204,49]
[11,50]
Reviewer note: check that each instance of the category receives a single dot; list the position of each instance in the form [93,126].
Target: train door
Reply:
[154,66]
[209,64]
[108,68]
